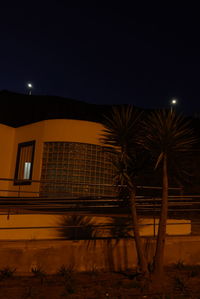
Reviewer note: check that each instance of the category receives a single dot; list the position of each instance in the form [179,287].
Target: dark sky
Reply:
[141,55]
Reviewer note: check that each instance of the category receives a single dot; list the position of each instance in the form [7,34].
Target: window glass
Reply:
[80,166]
[24,162]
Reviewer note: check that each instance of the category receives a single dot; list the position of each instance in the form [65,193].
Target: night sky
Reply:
[139,55]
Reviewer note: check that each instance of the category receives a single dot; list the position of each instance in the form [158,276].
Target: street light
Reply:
[29,86]
[173,103]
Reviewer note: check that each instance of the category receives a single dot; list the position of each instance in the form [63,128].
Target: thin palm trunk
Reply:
[138,242]
[159,255]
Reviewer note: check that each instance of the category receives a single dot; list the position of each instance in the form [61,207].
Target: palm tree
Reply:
[168,138]
[121,132]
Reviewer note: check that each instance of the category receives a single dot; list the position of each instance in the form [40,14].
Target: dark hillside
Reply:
[20,109]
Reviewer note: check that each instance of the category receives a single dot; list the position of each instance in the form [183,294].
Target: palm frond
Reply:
[160,157]
[121,128]
[167,133]
[121,131]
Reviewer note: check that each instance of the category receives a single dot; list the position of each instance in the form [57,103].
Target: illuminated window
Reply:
[24,163]
[27,170]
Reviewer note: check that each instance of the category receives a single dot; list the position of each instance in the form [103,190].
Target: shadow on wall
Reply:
[77,227]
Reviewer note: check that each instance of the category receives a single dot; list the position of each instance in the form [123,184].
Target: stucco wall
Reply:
[45,131]
[45,226]
[7,136]
[84,256]
[72,130]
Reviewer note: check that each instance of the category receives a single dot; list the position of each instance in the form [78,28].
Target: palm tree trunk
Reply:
[160,246]
[138,242]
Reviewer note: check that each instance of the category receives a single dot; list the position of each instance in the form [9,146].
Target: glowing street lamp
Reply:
[29,86]
[173,103]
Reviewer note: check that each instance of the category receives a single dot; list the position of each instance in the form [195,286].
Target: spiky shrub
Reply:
[181,285]
[7,272]
[179,265]
[38,272]
[65,272]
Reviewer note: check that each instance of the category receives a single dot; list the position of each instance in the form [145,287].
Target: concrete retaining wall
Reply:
[83,256]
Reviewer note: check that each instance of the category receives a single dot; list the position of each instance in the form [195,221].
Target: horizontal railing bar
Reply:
[71,209]
[83,212]
[92,199]
[76,201]
[92,226]
[49,203]
[99,198]
[41,207]
[76,183]
[79,204]
[21,191]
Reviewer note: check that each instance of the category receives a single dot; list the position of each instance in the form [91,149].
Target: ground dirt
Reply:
[180,282]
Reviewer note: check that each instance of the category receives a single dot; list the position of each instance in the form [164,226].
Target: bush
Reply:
[39,273]
[6,273]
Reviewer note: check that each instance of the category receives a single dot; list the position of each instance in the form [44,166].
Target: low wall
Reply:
[83,256]
[45,226]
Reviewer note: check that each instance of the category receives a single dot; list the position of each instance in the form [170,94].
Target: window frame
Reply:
[22,145]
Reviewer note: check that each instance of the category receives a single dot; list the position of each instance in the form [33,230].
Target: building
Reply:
[54,151]
[54,157]
[50,146]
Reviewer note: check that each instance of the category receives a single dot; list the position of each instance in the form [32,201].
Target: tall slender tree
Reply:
[168,137]
[122,132]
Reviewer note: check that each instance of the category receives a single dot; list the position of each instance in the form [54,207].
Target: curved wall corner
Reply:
[55,130]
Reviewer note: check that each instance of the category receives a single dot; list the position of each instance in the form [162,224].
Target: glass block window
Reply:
[74,170]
